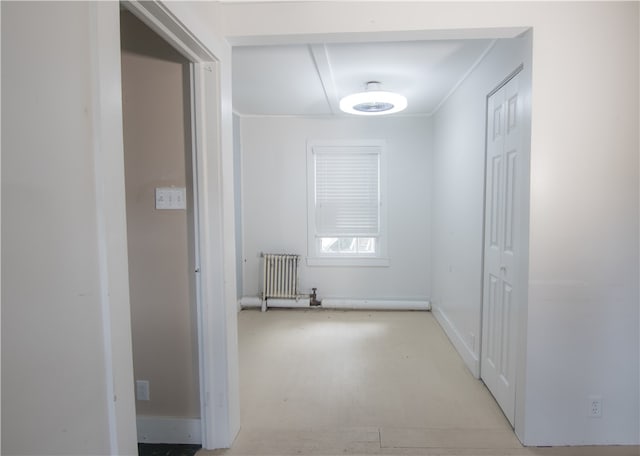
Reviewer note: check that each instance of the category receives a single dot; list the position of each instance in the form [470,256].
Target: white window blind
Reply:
[347,191]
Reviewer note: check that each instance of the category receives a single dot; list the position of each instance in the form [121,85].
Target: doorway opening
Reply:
[216,341]
[453,198]
[161,232]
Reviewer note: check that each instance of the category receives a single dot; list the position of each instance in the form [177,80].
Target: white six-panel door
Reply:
[504,150]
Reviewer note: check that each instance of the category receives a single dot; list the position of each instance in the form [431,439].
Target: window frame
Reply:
[314,256]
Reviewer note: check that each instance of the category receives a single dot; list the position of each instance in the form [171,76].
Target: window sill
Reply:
[348,261]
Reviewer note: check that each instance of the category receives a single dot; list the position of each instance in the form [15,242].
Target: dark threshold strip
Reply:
[165,449]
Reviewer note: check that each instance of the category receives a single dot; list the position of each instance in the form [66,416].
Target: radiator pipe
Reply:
[314,298]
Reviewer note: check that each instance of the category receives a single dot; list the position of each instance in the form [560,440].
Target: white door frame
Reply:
[217,409]
[204,103]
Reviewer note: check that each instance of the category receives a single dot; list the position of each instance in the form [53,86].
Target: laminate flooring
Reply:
[321,382]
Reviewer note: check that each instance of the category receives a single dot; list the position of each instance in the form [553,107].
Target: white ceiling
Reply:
[310,79]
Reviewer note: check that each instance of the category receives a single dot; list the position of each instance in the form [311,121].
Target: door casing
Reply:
[217,404]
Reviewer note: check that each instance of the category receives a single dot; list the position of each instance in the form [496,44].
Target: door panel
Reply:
[496,190]
[507,294]
[499,311]
[491,304]
[509,208]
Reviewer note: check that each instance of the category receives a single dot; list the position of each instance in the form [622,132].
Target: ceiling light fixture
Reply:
[373,101]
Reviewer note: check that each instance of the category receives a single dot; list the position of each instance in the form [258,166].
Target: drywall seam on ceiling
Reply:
[320,56]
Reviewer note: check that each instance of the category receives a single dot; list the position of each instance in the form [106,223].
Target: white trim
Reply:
[378,36]
[158,18]
[376,304]
[108,155]
[247,302]
[98,33]
[164,429]
[253,302]
[374,262]
[467,354]
[289,303]
[217,348]
[212,342]
[242,205]
[196,146]
[0,230]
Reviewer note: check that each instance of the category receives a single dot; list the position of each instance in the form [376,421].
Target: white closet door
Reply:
[504,150]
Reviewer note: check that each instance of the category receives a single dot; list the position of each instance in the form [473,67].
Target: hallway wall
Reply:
[458,199]
[57,392]
[157,151]
[274,189]
[67,376]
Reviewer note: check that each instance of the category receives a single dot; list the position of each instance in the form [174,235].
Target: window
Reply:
[346,210]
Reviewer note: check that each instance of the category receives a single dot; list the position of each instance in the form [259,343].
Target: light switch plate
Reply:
[171,198]
[142,390]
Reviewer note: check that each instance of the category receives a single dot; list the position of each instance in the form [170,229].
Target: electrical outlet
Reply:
[595,407]
[142,390]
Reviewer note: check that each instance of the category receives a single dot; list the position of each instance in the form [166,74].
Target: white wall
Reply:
[274,192]
[583,327]
[582,334]
[458,199]
[66,316]
[57,391]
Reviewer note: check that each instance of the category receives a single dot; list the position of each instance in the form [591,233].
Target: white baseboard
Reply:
[249,301]
[342,303]
[467,354]
[288,303]
[376,304]
[164,429]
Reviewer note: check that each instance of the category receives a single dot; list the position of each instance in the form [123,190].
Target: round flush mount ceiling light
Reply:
[373,101]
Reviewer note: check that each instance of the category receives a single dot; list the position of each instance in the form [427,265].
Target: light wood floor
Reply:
[319,382]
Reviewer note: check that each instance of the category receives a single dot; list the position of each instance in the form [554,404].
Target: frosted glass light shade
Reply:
[373,103]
